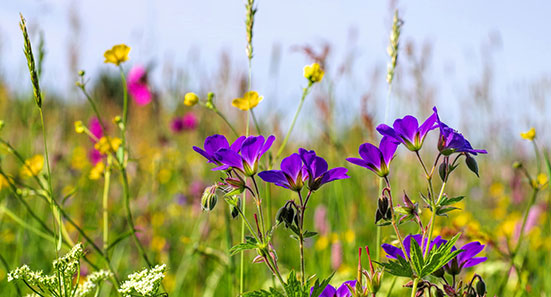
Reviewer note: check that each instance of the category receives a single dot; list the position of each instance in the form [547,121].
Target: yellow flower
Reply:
[529,135]
[158,243]
[322,243]
[97,171]
[191,99]
[103,145]
[117,54]
[33,166]
[540,181]
[79,127]
[313,73]
[3,182]
[349,236]
[249,100]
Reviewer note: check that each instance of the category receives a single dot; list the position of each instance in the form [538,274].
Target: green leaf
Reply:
[309,234]
[444,210]
[398,267]
[416,256]
[319,286]
[293,287]
[249,244]
[449,201]
[263,293]
[440,256]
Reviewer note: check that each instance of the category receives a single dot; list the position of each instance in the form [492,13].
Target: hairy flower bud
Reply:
[209,198]
[191,99]
[480,287]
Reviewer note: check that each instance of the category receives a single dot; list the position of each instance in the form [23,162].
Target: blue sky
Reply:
[165,30]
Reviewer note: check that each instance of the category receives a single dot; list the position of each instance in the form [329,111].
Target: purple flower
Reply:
[408,131]
[451,141]
[291,176]
[395,252]
[185,123]
[215,143]
[317,168]
[466,258]
[252,149]
[342,291]
[376,159]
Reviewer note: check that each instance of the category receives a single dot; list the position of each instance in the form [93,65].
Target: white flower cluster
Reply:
[145,282]
[33,278]
[69,264]
[92,282]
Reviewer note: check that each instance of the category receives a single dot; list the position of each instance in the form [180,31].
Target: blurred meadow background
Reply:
[485,64]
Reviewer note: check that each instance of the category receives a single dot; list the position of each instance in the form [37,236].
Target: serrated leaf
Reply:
[309,234]
[398,267]
[440,256]
[319,286]
[263,293]
[249,244]
[293,287]
[444,210]
[416,256]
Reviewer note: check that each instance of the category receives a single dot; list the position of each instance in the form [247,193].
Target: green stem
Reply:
[433,215]
[256,123]
[304,94]
[414,288]
[105,201]
[242,254]
[226,120]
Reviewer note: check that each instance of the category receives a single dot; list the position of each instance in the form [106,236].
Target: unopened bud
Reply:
[480,287]
[209,198]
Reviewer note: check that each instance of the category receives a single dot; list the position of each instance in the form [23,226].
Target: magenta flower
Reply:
[185,123]
[216,142]
[376,159]
[408,131]
[342,291]
[247,161]
[451,141]
[96,130]
[138,87]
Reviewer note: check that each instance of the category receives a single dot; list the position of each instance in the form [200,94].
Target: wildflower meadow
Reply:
[117,193]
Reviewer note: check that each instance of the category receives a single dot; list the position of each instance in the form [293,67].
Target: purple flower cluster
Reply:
[464,259]
[407,131]
[342,291]
[296,169]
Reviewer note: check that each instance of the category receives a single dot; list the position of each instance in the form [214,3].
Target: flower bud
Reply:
[280,215]
[81,73]
[471,163]
[234,209]
[439,292]
[517,165]
[191,99]
[442,170]
[453,269]
[209,198]
[480,287]
[236,183]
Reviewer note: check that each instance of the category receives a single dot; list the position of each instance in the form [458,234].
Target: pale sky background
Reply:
[165,30]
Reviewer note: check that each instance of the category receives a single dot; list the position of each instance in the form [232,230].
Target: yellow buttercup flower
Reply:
[540,181]
[33,166]
[249,100]
[79,127]
[103,145]
[117,54]
[313,73]
[191,99]
[529,135]
[97,172]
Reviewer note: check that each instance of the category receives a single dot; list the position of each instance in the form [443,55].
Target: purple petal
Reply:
[229,158]
[359,162]
[317,167]
[215,142]
[406,127]
[307,156]
[292,165]
[371,154]
[386,130]
[251,147]
[274,176]
[269,141]
[388,148]
[344,291]
[334,174]
[428,125]
[470,250]
[236,145]
[208,156]
[474,261]
[392,251]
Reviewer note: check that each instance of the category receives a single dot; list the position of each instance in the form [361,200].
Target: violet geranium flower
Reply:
[395,252]
[216,142]
[408,131]
[317,168]
[291,176]
[342,291]
[376,159]
[252,149]
[138,87]
[466,258]
[451,141]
